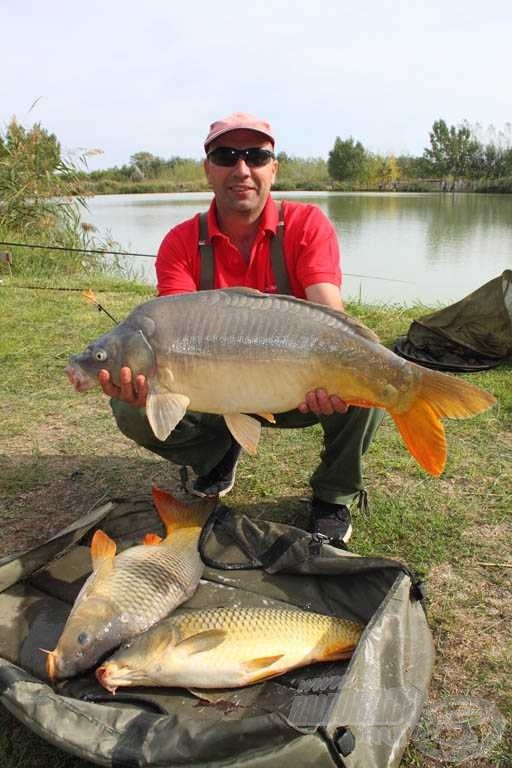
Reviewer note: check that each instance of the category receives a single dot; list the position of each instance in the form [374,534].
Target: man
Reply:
[241,243]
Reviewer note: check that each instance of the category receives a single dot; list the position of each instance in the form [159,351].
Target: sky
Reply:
[125,77]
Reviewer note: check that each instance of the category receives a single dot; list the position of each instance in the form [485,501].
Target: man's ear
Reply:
[206,168]
[276,168]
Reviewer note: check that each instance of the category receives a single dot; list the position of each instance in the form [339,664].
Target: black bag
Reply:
[347,713]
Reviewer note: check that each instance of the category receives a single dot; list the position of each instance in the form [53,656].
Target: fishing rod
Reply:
[78,250]
[152,256]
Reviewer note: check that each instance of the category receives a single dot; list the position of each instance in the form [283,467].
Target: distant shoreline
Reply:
[490,186]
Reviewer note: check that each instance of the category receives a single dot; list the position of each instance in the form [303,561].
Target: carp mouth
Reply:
[111,675]
[102,676]
[79,378]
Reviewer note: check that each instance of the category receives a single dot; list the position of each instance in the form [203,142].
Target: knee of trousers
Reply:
[132,422]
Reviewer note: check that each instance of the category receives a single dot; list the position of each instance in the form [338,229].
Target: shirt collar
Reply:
[268,222]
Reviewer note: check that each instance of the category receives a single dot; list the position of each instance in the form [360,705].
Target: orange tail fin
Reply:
[175,514]
[439,397]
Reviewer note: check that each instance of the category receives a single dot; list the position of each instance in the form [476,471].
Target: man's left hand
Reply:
[320,403]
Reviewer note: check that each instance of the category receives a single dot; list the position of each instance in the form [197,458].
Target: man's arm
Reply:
[325,293]
[319,401]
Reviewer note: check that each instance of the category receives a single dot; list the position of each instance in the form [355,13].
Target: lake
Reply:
[396,247]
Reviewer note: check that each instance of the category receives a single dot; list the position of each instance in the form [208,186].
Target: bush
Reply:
[41,196]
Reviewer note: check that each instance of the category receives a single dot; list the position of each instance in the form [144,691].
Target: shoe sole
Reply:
[348,534]
[202,495]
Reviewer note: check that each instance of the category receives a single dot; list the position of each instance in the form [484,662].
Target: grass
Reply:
[60,452]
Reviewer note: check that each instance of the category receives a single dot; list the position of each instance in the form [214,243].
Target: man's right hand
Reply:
[133,391]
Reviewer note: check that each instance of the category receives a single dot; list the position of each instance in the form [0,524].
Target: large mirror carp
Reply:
[236,352]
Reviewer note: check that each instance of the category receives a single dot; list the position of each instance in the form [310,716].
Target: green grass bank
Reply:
[60,452]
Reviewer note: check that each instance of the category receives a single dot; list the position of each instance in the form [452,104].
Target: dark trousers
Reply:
[200,441]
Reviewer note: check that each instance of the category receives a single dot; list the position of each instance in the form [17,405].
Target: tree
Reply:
[412,167]
[493,158]
[147,164]
[452,150]
[346,160]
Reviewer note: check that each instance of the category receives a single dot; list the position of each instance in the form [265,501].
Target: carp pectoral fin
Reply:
[164,410]
[245,429]
[255,665]
[337,652]
[267,416]
[152,539]
[202,641]
[103,549]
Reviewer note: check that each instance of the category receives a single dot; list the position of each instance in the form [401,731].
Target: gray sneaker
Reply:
[219,480]
[331,520]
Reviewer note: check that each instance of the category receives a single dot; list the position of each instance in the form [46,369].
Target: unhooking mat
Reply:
[357,713]
[473,334]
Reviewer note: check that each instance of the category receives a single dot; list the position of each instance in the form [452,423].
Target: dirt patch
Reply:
[36,516]
[28,517]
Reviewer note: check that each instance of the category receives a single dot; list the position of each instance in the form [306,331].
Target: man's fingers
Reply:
[126,390]
[319,402]
[339,405]
[324,405]
[133,391]
[141,389]
[106,384]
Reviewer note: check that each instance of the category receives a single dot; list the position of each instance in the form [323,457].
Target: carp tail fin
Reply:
[176,514]
[439,397]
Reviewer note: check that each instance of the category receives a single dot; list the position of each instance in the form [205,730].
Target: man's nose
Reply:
[241,168]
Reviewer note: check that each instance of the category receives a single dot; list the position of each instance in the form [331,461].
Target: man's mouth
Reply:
[239,188]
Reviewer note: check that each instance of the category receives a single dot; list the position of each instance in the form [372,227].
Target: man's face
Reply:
[241,189]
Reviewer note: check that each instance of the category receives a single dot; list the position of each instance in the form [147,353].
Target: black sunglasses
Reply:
[254,157]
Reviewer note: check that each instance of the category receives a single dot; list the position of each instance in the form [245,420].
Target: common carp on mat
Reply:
[128,593]
[237,351]
[228,648]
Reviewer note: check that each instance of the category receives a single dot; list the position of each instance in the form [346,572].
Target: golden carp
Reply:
[128,593]
[237,351]
[228,648]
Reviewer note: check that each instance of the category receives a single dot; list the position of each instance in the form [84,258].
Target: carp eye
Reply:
[83,638]
[100,355]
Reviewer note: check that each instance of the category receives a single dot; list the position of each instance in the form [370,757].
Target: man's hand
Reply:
[133,391]
[319,402]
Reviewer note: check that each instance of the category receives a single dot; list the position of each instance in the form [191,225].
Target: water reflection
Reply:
[443,246]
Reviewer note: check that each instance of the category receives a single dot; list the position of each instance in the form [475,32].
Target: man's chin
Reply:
[246,205]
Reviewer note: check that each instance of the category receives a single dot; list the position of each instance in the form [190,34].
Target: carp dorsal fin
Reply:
[243,291]
[152,540]
[355,324]
[175,514]
[202,641]
[164,409]
[103,549]
[245,429]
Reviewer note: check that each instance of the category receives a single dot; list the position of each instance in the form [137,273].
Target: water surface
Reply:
[397,248]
